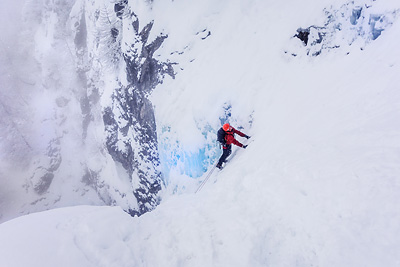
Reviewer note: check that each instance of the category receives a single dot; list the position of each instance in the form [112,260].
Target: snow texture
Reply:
[318,186]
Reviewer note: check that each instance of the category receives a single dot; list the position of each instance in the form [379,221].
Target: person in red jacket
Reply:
[226,136]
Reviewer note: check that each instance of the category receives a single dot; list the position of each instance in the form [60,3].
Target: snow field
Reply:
[319,185]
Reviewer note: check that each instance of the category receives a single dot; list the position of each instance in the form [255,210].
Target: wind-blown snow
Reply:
[320,184]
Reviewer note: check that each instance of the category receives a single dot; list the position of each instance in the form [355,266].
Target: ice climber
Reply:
[226,136]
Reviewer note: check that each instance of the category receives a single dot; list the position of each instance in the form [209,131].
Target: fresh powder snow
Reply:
[318,186]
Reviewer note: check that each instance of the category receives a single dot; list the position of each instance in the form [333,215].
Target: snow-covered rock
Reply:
[93,130]
[318,186]
[350,26]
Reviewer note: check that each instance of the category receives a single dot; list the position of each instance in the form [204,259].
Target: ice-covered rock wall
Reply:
[129,120]
[356,23]
[116,57]
[91,136]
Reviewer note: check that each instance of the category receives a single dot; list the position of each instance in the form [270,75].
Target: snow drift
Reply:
[318,186]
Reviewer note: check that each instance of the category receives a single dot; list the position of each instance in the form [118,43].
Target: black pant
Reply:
[225,153]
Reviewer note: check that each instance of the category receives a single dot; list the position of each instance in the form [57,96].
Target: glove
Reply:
[245,146]
[248,137]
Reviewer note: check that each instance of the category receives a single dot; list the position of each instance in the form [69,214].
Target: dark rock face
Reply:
[44,173]
[120,7]
[312,36]
[303,34]
[130,122]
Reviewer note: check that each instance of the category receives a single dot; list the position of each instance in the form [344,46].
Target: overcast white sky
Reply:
[10,15]
[10,18]
[10,27]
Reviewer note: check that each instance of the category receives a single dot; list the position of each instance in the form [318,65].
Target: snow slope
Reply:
[319,185]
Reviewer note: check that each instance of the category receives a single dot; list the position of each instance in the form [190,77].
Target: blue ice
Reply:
[192,164]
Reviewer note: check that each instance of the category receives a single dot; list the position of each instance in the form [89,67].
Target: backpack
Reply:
[221,136]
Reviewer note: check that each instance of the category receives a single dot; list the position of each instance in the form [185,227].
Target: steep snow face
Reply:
[229,82]
[318,186]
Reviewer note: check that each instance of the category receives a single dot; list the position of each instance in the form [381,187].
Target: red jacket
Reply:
[230,137]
